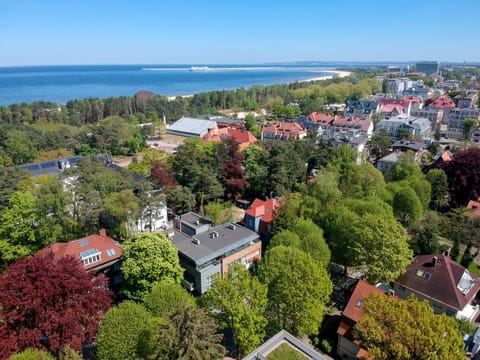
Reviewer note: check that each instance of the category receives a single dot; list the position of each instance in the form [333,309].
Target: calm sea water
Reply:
[63,83]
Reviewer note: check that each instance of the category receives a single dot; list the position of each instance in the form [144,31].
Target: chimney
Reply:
[434,261]
[103,232]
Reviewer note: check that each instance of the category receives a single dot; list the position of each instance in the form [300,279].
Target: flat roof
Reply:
[191,126]
[230,237]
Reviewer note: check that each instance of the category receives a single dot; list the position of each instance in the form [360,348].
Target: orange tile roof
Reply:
[320,118]
[284,127]
[100,242]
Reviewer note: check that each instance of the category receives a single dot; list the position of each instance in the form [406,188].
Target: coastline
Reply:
[335,73]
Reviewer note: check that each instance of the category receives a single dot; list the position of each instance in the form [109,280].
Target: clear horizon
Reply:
[55,32]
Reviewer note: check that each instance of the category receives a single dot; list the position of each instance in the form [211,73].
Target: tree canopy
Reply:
[241,301]
[408,329]
[148,258]
[298,288]
[43,296]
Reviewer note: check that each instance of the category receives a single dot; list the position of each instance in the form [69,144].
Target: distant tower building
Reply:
[429,68]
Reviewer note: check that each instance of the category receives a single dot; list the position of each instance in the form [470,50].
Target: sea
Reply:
[63,83]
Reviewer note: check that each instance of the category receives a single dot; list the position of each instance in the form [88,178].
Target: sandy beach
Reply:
[335,73]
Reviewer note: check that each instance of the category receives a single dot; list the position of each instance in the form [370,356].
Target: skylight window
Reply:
[111,252]
[427,276]
[359,303]
[83,242]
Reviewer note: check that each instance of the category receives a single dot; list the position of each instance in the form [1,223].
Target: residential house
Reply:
[473,212]
[348,347]
[354,140]
[466,99]
[152,216]
[446,285]
[404,145]
[206,250]
[439,161]
[259,216]
[454,119]
[385,163]
[284,131]
[244,137]
[416,127]
[434,115]
[315,120]
[190,127]
[97,254]
[281,339]
[359,125]
[390,110]
[408,103]
[361,108]
[441,103]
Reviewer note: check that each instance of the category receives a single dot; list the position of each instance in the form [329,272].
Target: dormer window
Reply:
[90,256]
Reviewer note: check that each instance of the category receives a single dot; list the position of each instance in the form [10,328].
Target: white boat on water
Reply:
[200,68]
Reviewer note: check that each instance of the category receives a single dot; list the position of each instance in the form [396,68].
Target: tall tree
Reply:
[439,183]
[408,329]
[366,234]
[17,228]
[120,331]
[190,334]
[297,290]
[407,207]
[164,297]
[148,258]
[233,171]
[56,298]
[241,300]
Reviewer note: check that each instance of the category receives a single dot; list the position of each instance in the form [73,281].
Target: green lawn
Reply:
[286,352]
[473,268]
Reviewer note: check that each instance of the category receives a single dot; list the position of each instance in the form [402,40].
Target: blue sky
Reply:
[47,32]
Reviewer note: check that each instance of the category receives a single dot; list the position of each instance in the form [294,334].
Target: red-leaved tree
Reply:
[463,174]
[53,298]
[163,175]
[233,171]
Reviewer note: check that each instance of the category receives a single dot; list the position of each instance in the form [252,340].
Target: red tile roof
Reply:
[391,107]
[108,248]
[443,280]
[441,103]
[243,137]
[346,123]
[262,208]
[319,118]
[404,102]
[290,129]
[354,310]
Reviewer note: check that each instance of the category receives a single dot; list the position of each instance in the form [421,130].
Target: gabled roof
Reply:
[392,107]
[473,207]
[320,118]
[286,128]
[102,244]
[354,310]
[356,123]
[442,279]
[243,137]
[263,209]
